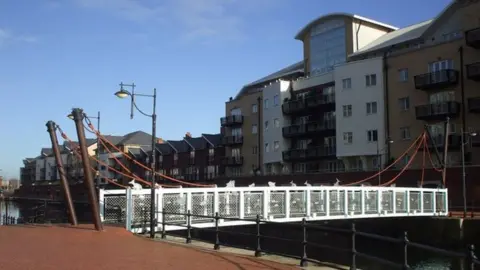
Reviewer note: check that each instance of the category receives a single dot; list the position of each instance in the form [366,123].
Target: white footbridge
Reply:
[241,205]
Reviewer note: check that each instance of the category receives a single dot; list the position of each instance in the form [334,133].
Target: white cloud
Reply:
[8,37]
[196,20]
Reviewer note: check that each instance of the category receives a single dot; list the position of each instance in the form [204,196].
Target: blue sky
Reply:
[60,54]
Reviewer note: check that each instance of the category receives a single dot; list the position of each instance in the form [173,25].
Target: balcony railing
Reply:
[310,153]
[318,100]
[473,71]
[309,129]
[232,161]
[309,103]
[294,106]
[232,140]
[454,141]
[437,79]
[231,120]
[472,38]
[437,111]
[474,105]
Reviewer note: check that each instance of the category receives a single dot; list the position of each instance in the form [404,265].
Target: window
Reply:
[276,146]
[192,154]
[237,132]
[254,129]
[265,104]
[347,83]
[254,108]
[267,148]
[372,135]
[440,65]
[255,150]
[405,160]
[276,122]
[442,97]
[371,80]
[236,152]
[266,125]
[372,107]
[403,74]
[236,111]
[375,162]
[347,110]
[405,133]
[276,100]
[348,137]
[404,103]
[211,152]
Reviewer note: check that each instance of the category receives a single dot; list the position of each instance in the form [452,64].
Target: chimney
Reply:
[188,135]
[159,140]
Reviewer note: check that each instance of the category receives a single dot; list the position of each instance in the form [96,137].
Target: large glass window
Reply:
[327,46]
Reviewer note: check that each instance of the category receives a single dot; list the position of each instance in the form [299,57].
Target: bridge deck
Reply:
[57,247]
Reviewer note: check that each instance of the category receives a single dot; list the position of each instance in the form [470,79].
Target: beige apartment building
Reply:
[433,72]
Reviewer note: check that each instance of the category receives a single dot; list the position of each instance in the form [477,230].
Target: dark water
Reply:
[417,260]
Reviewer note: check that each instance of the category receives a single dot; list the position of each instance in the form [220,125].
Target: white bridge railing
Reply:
[279,204]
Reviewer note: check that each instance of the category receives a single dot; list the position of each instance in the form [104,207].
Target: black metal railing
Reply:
[436,79]
[436,111]
[36,213]
[232,140]
[472,38]
[473,71]
[468,257]
[231,120]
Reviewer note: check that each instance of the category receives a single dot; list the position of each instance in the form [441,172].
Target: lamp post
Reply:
[464,186]
[122,93]
[98,142]
[379,158]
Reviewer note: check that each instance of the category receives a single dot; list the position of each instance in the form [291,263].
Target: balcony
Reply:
[312,102]
[473,71]
[294,106]
[231,120]
[232,161]
[454,142]
[474,105]
[472,38]
[437,79]
[437,111]
[310,153]
[326,128]
[232,140]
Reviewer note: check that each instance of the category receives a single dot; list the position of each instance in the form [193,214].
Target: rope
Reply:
[389,166]
[141,165]
[407,165]
[423,159]
[431,160]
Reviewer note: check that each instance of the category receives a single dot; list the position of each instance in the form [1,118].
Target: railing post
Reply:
[217,231]
[470,261]
[189,227]
[164,234]
[353,266]
[405,251]
[258,249]
[45,203]
[303,261]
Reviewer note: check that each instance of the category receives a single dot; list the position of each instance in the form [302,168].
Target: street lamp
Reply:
[388,141]
[98,142]
[122,93]
[464,186]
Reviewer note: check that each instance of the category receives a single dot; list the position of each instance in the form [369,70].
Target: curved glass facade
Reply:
[327,46]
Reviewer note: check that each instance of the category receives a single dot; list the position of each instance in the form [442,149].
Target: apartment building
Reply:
[243,126]
[433,73]
[27,172]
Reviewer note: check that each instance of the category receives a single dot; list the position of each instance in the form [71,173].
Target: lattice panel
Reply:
[175,203]
[440,202]
[337,202]
[115,209]
[317,202]
[427,201]
[355,202]
[141,209]
[414,201]
[202,204]
[371,201]
[298,203]
[387,201]
[229,204]
[253,204]
[277,204]
[401,202]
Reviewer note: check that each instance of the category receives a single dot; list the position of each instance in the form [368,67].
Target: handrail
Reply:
[470,260]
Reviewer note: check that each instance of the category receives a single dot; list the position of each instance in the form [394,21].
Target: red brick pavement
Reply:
[55,247]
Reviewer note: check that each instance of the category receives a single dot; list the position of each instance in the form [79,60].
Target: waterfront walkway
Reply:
[43,247]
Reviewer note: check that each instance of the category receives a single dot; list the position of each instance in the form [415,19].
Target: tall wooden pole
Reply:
[78,116]
[72,216]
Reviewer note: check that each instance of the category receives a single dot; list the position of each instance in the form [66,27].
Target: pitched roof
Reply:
[214,139]
[69,145]
[399,36]
[196,142]
[290,70]
[164,148]
[113,139]
[138,137]
[46,151]
[179,146]
[312,23]
[136,152]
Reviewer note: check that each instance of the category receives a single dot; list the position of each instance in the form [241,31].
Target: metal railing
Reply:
[468,257]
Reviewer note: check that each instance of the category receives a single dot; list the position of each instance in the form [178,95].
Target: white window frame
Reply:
[267,148]
[266,104]
[254,108]
[276,146]
[371,136]
[405,133]
[370,80]
[276,122]
[265,125]
[347,110]
[254,128]
[347,83]
[403,74]
[372,107]
[348,137]
[276,100]
[404,103]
